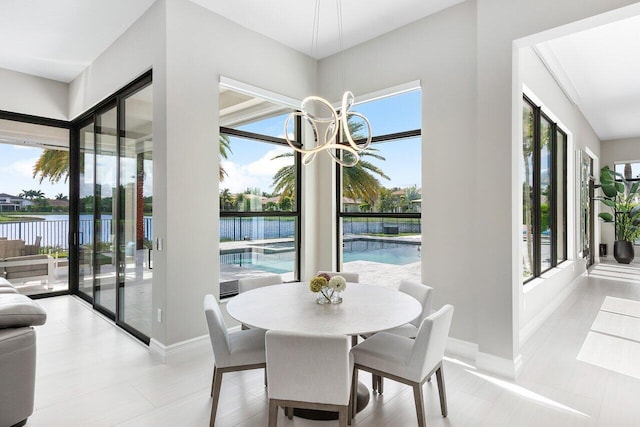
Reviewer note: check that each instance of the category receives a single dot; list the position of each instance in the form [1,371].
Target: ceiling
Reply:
[291,22]
[597,68]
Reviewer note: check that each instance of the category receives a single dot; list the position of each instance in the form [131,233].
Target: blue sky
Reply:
[250,164]
[16,170]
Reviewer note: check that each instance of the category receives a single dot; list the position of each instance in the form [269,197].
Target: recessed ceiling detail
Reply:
[599,68]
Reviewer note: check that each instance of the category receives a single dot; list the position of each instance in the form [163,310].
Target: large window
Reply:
[380,198]
[259,203]
[544,189]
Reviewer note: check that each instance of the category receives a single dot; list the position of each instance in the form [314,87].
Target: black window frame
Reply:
[538,116]
[340,214]
[296,212]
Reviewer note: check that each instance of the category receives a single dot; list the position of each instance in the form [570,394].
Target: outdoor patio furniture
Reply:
[19,261]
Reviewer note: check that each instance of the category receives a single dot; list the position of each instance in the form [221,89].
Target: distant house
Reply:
[9,203]
[350,205]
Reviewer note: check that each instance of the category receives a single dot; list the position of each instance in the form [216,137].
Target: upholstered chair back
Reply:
[217,332]
[249,283]
[430,343]
[309,367]
[422,293]
[349,277]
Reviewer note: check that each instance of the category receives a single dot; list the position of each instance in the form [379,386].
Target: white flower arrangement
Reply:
[337,283]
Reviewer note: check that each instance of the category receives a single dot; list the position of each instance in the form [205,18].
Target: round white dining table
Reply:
[292,307]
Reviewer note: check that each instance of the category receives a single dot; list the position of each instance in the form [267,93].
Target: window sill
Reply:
[532,284]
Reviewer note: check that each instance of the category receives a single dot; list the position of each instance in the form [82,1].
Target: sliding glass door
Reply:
[86,209]
[135,213]
[114,238]
[105,189]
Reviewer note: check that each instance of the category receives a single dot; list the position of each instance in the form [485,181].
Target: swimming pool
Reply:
[279,257]
[382,251]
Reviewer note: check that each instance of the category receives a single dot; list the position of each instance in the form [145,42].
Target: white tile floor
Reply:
[580,369]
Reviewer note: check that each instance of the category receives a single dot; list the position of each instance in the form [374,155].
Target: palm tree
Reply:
[52,164]
[225,149]
[226,199]
[61,196]
[31,194]
[358,182]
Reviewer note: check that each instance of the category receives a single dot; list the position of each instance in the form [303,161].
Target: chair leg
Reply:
[354,393]
[374,383]
[380,384]
[288,411]
[342,416]
[417,395]
[354,340]
[213,379]
[217,383]
[442,392]
[273,413]
[266,384]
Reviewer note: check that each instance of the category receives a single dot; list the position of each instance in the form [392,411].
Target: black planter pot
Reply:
[623,251]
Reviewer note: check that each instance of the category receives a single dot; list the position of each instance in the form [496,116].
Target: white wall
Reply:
[189,48]
[464,57]
[500,22]
[540,296]
[440,51]
[26,94]
[612,151]
[202,46]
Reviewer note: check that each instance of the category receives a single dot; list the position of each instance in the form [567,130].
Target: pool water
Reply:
[382,251]
[275,257]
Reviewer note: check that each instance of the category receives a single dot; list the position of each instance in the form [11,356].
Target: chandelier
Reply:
[326,121]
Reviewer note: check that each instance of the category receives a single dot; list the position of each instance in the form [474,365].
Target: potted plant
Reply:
[621,197]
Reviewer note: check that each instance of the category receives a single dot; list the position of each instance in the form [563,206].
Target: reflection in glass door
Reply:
[135,211]
[104,205]
[115,230]
[85,210]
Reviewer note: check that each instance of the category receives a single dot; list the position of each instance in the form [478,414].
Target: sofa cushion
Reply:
[4,283]
[19,310]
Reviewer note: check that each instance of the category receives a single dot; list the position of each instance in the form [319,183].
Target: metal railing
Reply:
[55,234]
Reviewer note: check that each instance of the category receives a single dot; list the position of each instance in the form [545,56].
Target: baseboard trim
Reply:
[498,365]
[534,324]
[181,351]
[461,348]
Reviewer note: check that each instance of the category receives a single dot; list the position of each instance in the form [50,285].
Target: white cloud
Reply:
[258,173]
[24,168]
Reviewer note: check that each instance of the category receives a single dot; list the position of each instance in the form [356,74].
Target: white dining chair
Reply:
[309,371]
[349,277]
[423,294]
[407,360]
[235,351]
[249,283]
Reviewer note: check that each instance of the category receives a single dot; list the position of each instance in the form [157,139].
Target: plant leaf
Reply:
[606,216]
[608,202]
[634,187]
[609,190]
[619,187]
